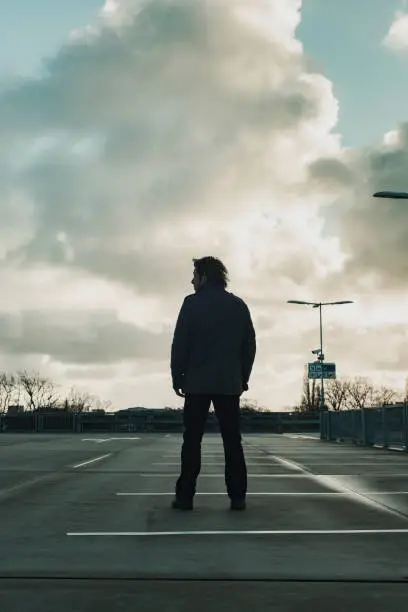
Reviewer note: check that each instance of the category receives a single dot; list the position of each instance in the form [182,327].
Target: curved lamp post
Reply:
[392,195]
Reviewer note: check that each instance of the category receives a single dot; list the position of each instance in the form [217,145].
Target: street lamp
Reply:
[321,356]
[393,195]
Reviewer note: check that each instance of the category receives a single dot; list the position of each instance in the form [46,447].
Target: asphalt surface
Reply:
[86,524]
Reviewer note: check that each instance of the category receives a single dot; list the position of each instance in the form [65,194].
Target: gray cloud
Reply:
[331,172]
[381,349]
[374,232]
[83,337]
[101,372]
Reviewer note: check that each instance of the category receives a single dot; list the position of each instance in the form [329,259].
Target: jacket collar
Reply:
[211,287]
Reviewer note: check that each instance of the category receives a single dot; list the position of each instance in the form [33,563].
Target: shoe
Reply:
[238,504]
[180,504]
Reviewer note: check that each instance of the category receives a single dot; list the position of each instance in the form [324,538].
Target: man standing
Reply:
[212,355]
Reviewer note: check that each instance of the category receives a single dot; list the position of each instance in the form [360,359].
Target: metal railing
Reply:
[149,421]
[386,427]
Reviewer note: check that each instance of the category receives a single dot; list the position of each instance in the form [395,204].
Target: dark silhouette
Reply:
[212,355]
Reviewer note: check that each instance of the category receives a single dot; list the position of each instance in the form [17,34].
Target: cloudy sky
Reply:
[138,134]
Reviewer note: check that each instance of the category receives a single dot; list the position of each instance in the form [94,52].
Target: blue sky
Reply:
[32,30]
[342,36]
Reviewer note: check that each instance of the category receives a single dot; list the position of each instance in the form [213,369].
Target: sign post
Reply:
[321,369]
[327,370]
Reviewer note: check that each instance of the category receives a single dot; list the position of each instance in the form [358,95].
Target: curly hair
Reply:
[213,269]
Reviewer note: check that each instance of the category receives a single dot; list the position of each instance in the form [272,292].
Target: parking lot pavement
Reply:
[86,513]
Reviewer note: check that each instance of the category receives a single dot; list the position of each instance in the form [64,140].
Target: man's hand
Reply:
[179,392]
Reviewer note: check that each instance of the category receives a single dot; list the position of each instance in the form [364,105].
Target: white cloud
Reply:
[169,130]
[397,36]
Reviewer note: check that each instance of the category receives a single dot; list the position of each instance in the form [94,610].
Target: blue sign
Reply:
[315,370]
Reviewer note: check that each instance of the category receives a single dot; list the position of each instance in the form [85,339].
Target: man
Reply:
[212,355]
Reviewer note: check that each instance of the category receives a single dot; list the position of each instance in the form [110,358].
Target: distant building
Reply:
[15,409]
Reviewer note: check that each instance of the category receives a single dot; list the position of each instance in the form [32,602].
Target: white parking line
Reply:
[365,474]
[221,475]
[218,456]
[302,475]
[289,464]
[385,492]
[218,463]
[144,494]
[125,438]
[267,494]
[299,455]
[392,464]
[289,532]
[334,485]
[22,485]
[262,494]
[101,440]
[302,437]
[78,465]
[400,449]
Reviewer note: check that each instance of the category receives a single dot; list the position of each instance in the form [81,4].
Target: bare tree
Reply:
[311,397]
[50,396]
[300,407]
[101,405]
[346,394]
[251,406]
[383,395]
[39,391]
[9,391]
[303,406]
[404,397]
[336,392]
[318,399]
[106,405]
[309,394]
[360,393]
[78,401]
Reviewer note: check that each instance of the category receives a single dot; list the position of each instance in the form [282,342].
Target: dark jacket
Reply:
[214,343]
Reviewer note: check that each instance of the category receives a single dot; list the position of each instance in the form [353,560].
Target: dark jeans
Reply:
[196,408]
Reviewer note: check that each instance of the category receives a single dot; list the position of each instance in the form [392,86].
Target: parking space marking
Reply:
[100,440]
[330,483]
[260,494]
[297,475]
[125,438]
[22,485]
[303,437]
[355,451]
[366,474]
[221,475]
[400,449]
[78,465]
[280,532]
[267,494]
[341,463]
[290,465]
[217,456]
[218,463]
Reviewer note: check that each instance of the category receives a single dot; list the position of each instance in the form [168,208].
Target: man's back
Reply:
[214,343]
